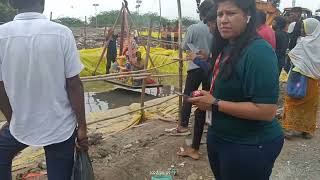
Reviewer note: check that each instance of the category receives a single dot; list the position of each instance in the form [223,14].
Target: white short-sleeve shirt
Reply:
[36,58]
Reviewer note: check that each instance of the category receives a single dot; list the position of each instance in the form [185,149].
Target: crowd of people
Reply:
[233,54]
[170,36]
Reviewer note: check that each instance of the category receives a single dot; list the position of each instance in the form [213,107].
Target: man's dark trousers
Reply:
[59,157]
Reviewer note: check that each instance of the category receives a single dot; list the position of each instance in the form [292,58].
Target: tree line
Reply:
[105,18]
[6,13]
[108,18]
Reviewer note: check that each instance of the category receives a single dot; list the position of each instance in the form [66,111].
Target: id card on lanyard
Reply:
[216,70]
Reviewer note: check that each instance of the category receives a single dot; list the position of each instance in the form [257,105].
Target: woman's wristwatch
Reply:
[215,105]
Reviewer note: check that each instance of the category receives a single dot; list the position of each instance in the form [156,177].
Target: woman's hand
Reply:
[191,56]
[204,102]
[202,54]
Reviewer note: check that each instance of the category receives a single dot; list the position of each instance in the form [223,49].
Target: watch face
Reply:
[216,102]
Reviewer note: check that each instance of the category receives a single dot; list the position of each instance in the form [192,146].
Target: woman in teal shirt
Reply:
[244,138]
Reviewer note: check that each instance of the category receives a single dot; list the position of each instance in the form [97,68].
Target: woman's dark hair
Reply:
[22,4]
[204,8]
[261,18]
[250,34]
[212,14]
[281,23]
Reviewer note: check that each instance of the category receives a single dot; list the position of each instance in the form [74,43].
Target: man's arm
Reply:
[187,39]
[76,97]
[5,106]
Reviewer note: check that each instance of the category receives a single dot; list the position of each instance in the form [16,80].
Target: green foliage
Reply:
[108,18]
[104,18]
[70,22]
[5,2]
[6,13]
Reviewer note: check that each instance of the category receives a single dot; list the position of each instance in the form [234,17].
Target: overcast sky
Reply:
[81,8]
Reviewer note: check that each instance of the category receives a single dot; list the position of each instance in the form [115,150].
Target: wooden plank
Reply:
[119,83]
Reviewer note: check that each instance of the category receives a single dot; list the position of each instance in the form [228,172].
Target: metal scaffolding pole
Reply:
[180,58]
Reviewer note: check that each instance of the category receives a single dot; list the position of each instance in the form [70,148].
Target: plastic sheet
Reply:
[159,56]
[90,58]
[82,169]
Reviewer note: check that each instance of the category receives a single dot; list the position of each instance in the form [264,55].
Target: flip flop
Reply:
[176,132]
[180,134]
[182,131]
[170,130]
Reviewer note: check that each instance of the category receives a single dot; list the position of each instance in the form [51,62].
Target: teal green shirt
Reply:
[255,80]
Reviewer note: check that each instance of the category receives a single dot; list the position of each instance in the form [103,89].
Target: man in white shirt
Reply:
[41,94]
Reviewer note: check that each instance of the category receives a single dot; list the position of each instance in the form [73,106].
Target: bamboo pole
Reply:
[107,42]
[122,31]
[116,77]
[131,72]
[85,32]
[161,75]
[143,90]
[135,77]
[180,62]
[160,9]
[104,35]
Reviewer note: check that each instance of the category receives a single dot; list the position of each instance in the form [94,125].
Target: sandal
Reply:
[182,129]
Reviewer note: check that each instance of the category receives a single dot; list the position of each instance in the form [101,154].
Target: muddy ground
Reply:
[138,153]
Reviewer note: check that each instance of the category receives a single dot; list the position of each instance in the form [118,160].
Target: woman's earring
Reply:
[249,18]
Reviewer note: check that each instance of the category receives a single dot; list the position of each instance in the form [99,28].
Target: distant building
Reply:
[317,13]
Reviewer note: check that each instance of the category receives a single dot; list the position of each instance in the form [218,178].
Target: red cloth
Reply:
[268,34]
